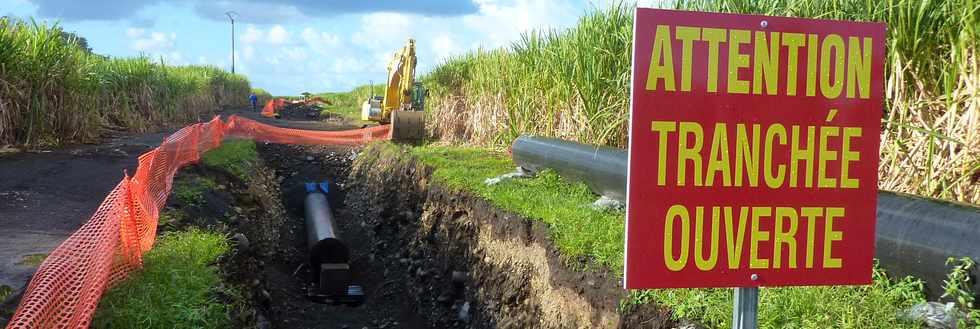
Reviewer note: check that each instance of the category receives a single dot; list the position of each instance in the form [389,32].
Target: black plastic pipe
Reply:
[914,235]
[329,256]
[321,232]
[602,168]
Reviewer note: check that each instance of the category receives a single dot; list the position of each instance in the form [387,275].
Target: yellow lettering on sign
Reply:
[718,160]
[785,237]
[774,181]
[714,38]
[826,155]
[758,235]
[858,67]
[687,35]
[766,66]
[793,43]
[831,82]
[673,214]
[661,61]
[747,155]
[801,154]
[706,263]
[750,228]
[829,236]
[736,61]
[735,237]
[847,156]
[662,128]
[689,153]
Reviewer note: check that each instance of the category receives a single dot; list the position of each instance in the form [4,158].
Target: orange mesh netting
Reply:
[273,106]
[69,283]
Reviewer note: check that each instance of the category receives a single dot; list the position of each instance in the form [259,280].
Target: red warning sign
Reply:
[753,150]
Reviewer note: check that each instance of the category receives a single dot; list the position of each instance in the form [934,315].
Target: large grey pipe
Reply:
[324,244]
[602,168]
[914,235]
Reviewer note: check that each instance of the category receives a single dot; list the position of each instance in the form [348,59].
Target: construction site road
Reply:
[46,195]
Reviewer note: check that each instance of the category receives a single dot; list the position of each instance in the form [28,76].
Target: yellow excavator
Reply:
[403,99]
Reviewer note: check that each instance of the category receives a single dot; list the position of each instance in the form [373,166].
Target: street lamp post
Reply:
[231,16]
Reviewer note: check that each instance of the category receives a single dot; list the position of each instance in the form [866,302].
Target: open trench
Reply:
[426,256]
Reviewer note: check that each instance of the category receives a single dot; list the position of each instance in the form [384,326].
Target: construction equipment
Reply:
[403,99]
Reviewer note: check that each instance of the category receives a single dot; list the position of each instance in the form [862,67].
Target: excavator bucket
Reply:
[407,125]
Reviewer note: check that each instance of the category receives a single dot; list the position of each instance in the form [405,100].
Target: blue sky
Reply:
[291,46]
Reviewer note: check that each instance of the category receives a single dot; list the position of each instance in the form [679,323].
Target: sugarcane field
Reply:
[654,164]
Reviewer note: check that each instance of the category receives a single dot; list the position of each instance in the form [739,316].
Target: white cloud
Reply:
[500,24]
[248,52]
[152,43]
[251,35]
[320,42]
[135,32]
[443,46]
[295,54]
[277,35]
[385,30]
[174,58]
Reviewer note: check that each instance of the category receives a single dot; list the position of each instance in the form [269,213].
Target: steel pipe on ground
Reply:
[914,235]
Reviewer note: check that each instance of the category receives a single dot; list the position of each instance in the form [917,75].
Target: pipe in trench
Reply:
[329,256]
[913,235]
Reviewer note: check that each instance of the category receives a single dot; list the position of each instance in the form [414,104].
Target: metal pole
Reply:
[746,308]
[232,18]
[232,46]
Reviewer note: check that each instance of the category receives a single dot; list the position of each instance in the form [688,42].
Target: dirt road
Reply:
[47,195]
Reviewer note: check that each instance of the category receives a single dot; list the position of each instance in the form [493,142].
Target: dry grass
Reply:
[930,145]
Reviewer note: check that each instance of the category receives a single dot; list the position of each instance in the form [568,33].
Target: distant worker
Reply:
[254,100]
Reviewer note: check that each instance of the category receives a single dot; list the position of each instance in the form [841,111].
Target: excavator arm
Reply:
[401,79]
[401,91]
[403,98]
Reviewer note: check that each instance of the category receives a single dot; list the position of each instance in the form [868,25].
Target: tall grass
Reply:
[575,84]
[348,103]
[52,91]
[262,95]
[570,84]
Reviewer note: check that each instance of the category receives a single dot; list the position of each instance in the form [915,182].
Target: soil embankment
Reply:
[515,277]
[430,257]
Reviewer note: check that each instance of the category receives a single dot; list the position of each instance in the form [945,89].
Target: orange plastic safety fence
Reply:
[69,283]
[273,106]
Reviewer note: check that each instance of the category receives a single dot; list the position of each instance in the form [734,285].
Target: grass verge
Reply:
[177,287]
[578,230]
[5,291]
[582,232]
[234,156]
[192,191]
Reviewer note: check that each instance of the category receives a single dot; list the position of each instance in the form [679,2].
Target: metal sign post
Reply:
[745,314]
